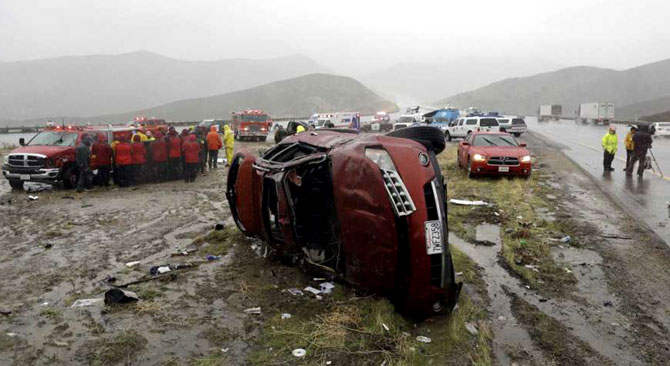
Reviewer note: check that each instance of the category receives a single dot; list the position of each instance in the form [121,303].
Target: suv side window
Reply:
[471,122]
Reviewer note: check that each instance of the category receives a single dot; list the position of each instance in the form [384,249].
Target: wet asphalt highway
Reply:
[645,198]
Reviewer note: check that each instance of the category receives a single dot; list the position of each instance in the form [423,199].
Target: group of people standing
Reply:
[637,142]
[151,157]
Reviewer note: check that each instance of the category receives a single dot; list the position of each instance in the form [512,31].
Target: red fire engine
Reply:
[251,125]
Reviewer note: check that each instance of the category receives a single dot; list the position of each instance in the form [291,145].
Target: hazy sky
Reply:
[346,35]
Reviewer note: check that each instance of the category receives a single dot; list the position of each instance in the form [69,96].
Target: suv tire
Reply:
[16,184]
[447,135]
[430,137]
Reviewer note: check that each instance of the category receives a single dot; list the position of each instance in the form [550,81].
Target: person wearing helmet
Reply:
[610,143]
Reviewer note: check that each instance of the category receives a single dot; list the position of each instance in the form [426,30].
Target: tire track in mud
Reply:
[602,337]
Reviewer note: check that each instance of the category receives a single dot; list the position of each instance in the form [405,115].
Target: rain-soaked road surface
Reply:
[645,198]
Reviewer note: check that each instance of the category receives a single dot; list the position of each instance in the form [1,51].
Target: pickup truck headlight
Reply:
[5,160]
[525,159]
[478,157]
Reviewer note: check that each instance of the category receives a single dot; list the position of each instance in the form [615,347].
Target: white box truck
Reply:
[596,112]
[550,112]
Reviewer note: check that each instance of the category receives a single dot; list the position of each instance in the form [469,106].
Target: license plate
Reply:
[433,237]
[25,177]
[503,169]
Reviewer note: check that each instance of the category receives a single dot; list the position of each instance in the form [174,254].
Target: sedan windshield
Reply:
[495,140]
[51,138]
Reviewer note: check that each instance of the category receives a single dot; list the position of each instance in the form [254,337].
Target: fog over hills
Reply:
[648,84]
[103,84]
[299,96]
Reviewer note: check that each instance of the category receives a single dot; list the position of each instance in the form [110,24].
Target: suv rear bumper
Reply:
[42,175]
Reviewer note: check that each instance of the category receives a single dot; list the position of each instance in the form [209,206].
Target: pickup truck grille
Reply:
[400,199]
[503,160]
[253,128]
[26,160]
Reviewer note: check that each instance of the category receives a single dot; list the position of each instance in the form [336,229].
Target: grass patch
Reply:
[120,348]
[217,242]
[51,314]
[554,339]
[149,294]
[526,235]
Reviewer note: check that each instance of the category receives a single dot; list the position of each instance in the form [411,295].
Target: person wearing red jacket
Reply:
[101,154]
[191,151]
[123,157]
[159,157]
[174,154]
[214,143]
[139,158]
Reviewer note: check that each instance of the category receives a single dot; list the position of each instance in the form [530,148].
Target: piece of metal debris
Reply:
[423,339]
[132,264]
[467,202]
[299,352]
[327,287]
[118,296]
[312,290]
[471,328]
[85,302]
[256,310]
[286,316]
[295,292]
[61,343]
[386,327]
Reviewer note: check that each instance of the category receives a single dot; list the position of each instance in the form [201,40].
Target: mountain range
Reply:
[104,84]
[298,97]
[635,92]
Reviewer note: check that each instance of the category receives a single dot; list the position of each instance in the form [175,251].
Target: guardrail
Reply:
[21,129]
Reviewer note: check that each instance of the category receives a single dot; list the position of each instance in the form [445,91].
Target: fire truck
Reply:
[152,124]
[251,125]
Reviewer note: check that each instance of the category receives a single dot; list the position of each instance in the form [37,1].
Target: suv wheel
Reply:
[16,184]
[430,137]
[517,134]
[447,135]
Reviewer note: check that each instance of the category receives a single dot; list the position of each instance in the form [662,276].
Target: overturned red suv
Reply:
[368,209]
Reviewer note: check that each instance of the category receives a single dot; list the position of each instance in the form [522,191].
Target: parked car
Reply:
[660,128]
[291,129]
[514,125]
[494,153]
[369,209]
[464,126]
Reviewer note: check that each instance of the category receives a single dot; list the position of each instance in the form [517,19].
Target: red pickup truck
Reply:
[49,157]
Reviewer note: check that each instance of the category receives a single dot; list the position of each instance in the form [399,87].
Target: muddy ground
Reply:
[63,247]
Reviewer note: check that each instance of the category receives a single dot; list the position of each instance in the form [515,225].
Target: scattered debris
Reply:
[33,198]
[312,290]
[48,246]
[318,279]
[543,299]
[132,264]
[565,239]
[501,318]
[386,327]
[182,252]
[225,350]
[118,296]
[467,203]
[567,269]
[85,302]
[295,292]
[11,334]
[5,312]
[37,187]
[86,205]
[532,267]
[615,236]
[459,273]
[299,352]
[616,324]
[156,270]
[471,328]
[286,316]
[256,310]
[423,339]
[608,303]
[220,226]
[509,230]
[110,278]
[327,287]
[212,257]
[61,343]
[46,303]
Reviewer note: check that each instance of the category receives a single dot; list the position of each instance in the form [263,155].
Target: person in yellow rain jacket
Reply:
[299,129]
[610,143]
[229,143]
[630,146]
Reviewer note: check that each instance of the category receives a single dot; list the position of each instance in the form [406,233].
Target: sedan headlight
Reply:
[381,158]
[478,157]
[400,199]
[525,159]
